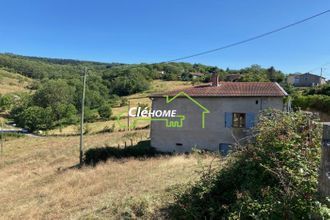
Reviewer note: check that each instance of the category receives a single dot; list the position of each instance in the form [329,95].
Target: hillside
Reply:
[134,100]
[13,82]
[122,176]
[37,181]
[55,104]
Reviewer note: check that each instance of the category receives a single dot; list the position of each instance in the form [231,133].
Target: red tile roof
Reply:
[232,89]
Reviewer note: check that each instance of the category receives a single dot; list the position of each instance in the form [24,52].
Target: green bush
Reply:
[273,178]
[105,111]
[91,115]
[9,136]
[36,118]
[7,101]
[96,155]
[317,102]
[319,90]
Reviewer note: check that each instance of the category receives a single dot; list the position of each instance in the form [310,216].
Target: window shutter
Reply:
[250,118]
[224,149]
[228,119]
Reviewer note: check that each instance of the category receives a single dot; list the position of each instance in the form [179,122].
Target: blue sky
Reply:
[154,31]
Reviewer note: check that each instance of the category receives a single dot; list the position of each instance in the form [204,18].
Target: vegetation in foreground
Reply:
[275,177]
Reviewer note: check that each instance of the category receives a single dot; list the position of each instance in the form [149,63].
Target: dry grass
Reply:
[12,82]
[96,127]
[35,185]
[157,86]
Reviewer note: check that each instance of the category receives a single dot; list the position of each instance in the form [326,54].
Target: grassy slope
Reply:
[13,82]
[35,185]
[156,87]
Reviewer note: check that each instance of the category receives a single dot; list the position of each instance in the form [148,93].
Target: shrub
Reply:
[36,118]
[96,155]
[9,136]
[123,101]
[6,102]
[108,129]
[273,178]
[105,111]
[317,102]
[91,115]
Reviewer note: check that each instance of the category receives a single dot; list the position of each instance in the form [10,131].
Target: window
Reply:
[239,120]
[178,144]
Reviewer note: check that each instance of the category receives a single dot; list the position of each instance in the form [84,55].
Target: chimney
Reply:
[215,79]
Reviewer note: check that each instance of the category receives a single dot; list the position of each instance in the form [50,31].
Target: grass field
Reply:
[37,182]
[12,82]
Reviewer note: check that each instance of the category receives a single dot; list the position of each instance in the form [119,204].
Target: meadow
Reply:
[40,180]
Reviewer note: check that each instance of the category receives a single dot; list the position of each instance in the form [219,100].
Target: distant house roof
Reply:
[233,77]
[304,74]
[230,89]
[197,74]
[312,75]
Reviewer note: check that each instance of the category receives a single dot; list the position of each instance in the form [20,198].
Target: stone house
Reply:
[215,116]
[305,80]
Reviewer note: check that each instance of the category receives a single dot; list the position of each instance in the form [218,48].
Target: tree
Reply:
[254,74]
[6,102]
[36,118]
[65,114]
[105,111]
[53,93]
[128,84]
[274,75]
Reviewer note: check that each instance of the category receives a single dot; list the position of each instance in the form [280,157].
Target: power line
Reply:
[252,38]
[317,68]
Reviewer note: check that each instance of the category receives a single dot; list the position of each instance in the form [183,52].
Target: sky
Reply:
[149,31]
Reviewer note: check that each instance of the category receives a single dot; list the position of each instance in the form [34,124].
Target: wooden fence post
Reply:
[324,179]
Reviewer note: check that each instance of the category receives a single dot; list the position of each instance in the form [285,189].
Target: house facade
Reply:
[305,80]
[226,113]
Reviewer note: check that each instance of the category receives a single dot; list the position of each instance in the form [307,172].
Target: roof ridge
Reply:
[227,89]
[281,88]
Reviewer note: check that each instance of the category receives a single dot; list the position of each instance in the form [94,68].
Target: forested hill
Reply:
[53,68]
[40,67]
[56,100]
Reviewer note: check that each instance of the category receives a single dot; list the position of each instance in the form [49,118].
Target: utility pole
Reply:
[81,149]
[2,139]
[321,71]
[128,123]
